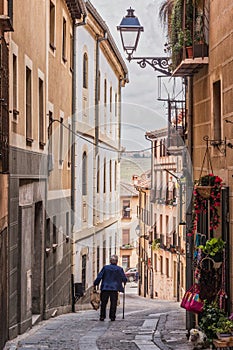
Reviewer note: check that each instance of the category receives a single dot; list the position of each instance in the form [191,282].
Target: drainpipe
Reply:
[152,253]
[121,80]
[95,154]
[98,41]
[73,126]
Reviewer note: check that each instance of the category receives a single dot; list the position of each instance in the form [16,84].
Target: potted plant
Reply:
[155,244]
[210,317]
[213,248]
[224,328]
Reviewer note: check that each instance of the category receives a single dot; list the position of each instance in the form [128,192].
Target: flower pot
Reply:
[218,257]
[189,51]
[204,191]
[224,336]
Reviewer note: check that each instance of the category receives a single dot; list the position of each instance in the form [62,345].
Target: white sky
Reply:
[141,110]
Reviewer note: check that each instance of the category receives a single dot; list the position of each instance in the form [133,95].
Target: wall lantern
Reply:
[130,30]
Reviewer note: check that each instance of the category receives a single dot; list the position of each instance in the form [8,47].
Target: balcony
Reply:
[191,60]
[188,37]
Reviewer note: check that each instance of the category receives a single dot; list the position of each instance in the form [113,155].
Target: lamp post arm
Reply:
[160,64]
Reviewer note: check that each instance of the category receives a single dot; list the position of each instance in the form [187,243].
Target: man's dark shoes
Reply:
[112,319]
[101,319]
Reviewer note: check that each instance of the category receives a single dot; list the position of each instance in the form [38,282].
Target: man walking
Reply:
[112,277]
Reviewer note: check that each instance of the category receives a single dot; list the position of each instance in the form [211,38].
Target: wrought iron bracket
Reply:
[160,64]
[220,145]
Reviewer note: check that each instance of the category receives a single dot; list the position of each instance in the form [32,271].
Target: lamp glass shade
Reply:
[130,30]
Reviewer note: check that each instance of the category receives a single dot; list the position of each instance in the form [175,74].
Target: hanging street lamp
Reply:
[130,30]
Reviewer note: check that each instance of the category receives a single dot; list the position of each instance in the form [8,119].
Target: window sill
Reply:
[52,47]
[55,245]
[29,141]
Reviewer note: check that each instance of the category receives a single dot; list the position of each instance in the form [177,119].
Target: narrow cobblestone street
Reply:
[148,325]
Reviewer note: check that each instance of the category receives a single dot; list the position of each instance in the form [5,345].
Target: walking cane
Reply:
[123,316]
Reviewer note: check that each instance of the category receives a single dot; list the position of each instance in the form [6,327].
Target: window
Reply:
[54,229]
[50,143]
[115,177]
[15,87]
[98,176]
[50,132]
[105,92]
[110,176]
[110,246]
[61,142]
[47,232]
[64,41]
[71,54]
[217,111]
[85,71]
[161,265]
[104,252]
[125,236]
[52,26]
[161,223]
[67,224]
[104,175]
[115,104]
[125,262]
[155,149]
[69,144]
[126,209]
[41,113]
[110,97]
[84,268]
[155,262]
[84,174]
[167,267]
[98,259]
[29,106]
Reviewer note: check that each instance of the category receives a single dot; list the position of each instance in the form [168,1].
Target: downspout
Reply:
[95,154]
[152,253]
[73,149]
[126,79]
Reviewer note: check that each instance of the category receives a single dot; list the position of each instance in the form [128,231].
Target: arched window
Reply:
[110,92]
[85,71]
[105,92]
[84,174]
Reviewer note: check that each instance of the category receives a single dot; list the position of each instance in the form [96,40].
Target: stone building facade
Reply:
[40,105]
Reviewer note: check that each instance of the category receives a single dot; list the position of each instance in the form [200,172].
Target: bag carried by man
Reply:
[95,298]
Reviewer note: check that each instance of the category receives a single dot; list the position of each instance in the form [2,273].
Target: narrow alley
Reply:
[147,325]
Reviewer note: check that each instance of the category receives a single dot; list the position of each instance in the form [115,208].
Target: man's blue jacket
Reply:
[112,277]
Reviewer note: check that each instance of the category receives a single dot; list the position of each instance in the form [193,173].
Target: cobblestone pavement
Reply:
[148,325]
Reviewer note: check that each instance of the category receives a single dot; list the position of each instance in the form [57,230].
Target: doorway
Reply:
[37,258]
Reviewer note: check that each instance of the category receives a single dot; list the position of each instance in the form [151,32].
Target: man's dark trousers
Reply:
[104,296]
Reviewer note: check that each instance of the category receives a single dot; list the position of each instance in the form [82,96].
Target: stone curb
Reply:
[157,336]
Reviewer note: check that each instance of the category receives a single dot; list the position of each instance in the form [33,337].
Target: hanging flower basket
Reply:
[207,194]
[204,191]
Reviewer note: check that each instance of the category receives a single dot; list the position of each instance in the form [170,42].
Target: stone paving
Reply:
[148,325]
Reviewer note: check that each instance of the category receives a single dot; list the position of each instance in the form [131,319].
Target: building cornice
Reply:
[91,9]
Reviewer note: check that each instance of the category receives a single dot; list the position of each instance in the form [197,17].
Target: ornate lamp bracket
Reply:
[160,64]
